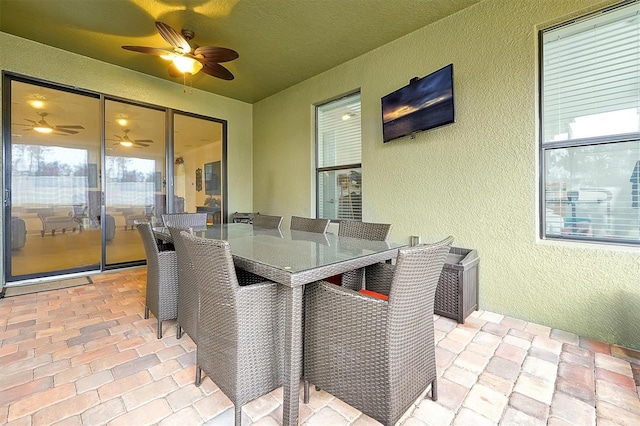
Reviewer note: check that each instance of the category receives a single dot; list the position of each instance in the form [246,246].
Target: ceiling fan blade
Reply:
[71,132]
[141,144]
[173,37]
[217,70]
[149,50]
[77,126]
[143,140]
[216,54]
[30,121]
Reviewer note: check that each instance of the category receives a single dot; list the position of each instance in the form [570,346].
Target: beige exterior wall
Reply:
[476,179]
[36,60]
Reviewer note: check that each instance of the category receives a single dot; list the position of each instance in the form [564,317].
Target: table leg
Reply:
[292,356]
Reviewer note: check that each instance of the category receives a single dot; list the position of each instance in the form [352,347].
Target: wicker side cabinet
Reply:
[457,292]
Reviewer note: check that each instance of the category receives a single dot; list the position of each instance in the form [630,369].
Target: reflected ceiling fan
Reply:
[186,59]
[126,141]
[42,126]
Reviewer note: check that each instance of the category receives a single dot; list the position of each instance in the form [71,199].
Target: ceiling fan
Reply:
[42,126]
[186,59]
[126,141]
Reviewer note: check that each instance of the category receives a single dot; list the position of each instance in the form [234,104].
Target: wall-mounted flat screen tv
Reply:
[423,104]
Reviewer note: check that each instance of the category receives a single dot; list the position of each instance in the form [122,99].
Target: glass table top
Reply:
[288,250]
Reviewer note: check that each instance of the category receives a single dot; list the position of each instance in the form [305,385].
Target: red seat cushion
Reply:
[336,279]
[374,294]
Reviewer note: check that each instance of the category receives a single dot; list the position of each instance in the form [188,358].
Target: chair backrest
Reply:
[185,268]
[365,230]
[413,286]
[267,221]
[309,225]
[184,219]
[213,267]
[153,266]
[188,296]
[148,240]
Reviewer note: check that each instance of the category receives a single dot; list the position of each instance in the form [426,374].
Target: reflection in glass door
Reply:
[80,170]
[134,176]
[52,178]
[198,178]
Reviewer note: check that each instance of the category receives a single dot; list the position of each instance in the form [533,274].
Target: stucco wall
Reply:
[476,179]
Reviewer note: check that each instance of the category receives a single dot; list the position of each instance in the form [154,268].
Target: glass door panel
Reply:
[54,153]
[134,176]
[198,178]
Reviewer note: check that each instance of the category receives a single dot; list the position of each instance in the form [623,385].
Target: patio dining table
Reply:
[293,259]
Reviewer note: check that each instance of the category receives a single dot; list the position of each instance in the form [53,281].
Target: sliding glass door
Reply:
[134,176]
[198,175]
[52,164]
[81,168]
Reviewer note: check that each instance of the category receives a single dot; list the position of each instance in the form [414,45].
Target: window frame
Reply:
[546,147]
[334,168]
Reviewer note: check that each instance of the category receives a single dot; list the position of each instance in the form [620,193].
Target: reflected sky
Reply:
[430,90]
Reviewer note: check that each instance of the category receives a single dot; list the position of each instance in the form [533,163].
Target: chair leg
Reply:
[238,411]
[434,390]
[306,392]
[146,312]
[159,329]
[178,331]
[198,376]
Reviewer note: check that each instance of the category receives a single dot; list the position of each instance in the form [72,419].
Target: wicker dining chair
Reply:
[366,231]
[188,300]
[376,355]
[185,219]
[162,278]
[309,224]
[267,221]
[241,328]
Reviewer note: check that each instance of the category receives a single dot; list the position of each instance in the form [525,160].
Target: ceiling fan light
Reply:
[126,143]
[35,103]
[42,129]
[122,121]
[187,65]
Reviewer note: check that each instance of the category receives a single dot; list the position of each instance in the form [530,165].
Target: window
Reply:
[590,127]
[339,157]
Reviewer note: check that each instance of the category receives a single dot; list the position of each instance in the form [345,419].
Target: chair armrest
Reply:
[345,309]
[378,277]
[346,330]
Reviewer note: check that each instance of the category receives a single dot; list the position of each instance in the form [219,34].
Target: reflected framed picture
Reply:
[198,180]
[212,178]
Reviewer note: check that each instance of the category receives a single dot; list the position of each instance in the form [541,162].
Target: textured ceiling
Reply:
[280,42]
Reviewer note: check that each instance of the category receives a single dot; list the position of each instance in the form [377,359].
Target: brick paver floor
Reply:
[86,356]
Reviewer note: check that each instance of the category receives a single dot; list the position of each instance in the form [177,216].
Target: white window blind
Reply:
[591,77]
[339,132]
[339,157]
